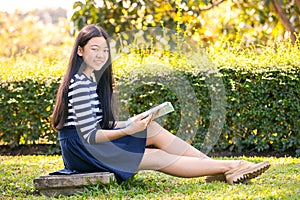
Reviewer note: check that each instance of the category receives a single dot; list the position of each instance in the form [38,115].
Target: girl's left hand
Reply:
[139,124]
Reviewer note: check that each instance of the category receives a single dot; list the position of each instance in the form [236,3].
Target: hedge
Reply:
[261,108]
[26,105]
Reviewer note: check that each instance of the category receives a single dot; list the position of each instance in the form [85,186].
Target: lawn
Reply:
[281,181]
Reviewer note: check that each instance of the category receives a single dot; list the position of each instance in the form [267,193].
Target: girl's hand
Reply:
[138,125]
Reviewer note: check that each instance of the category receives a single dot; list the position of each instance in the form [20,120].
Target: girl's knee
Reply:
[154,125]
[154,128]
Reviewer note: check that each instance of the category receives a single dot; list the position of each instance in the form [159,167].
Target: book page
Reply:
[159,110]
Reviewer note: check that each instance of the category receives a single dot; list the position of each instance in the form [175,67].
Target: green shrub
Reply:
[262,109]
[26,106]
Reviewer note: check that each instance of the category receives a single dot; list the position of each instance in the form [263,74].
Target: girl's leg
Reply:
[175,157]
[183,166]
[163,139]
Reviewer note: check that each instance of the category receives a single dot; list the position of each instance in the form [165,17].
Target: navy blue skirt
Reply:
[121,156]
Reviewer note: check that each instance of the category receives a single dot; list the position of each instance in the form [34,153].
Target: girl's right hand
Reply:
[138,125]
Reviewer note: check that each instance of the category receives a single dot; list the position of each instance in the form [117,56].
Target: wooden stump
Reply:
[54,185]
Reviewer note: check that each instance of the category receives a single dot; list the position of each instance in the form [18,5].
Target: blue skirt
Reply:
[121,156]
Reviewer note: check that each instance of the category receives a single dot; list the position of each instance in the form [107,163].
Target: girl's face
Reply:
[95,54]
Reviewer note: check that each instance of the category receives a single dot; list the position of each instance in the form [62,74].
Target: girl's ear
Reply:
[79,51]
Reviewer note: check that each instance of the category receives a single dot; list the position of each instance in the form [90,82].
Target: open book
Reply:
[159,110]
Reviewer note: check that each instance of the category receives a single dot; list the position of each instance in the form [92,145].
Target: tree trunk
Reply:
[283,19]
[298,4]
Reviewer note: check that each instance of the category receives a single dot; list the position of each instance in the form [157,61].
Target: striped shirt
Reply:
[84,109]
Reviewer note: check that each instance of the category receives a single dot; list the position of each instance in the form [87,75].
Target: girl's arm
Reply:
[120,124]
[138,125]
[82,102]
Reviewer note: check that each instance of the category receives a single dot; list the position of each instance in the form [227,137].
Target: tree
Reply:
[266,18]
[284,18]
[272,15]
[122,15]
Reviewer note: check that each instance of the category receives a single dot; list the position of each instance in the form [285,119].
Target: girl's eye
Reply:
[94,49]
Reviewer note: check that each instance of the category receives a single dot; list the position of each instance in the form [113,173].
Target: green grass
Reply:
[281,181]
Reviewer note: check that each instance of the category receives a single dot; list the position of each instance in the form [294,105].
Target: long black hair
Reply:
[104,78]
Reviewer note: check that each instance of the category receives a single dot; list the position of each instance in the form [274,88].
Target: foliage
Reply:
[30,102]
[32,62]
[264,77]
[262,102]
[30,36]
[119,16]
[268,17]
[281,181]
[262,108]
[205,21]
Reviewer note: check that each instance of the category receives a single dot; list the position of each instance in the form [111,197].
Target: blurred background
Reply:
[33,25]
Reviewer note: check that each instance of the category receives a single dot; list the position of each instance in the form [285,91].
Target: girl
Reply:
[92,141]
